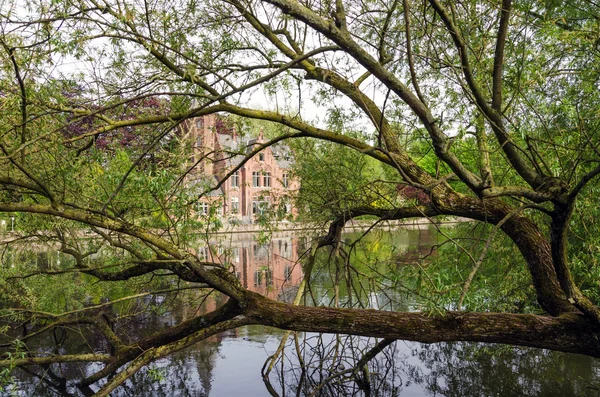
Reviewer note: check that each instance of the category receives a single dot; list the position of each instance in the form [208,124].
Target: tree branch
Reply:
[499,56]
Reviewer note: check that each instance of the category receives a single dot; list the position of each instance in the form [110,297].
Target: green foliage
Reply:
[104,144]
[18,350]
[584,244]
[336,179]
[502,282]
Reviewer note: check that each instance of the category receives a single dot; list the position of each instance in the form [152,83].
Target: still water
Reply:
[230,364]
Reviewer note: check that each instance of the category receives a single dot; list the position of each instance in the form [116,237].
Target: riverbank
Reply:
[286,227]
[351,226]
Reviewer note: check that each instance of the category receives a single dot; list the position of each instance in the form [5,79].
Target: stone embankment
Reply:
[416,223]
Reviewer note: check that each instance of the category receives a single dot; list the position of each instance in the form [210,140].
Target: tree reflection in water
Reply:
[328,367]
[333,367]
[463,369]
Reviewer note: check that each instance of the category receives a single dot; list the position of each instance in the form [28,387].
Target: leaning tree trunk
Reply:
[569,332]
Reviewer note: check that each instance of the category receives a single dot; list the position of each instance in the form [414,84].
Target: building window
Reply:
[269,277]
[257,278]
[235,179]
[261,157]
[203,208]
[259,207]
[267,179]
[259,252]
[200,122]
[203,253]
[255,178]
[235,205]
[286,250]
[285,181]
[200,141]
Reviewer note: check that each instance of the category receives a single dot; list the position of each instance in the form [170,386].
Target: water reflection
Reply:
[230,364]
[270,269]
[463,369]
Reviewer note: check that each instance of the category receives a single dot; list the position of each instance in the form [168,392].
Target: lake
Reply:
[233,363]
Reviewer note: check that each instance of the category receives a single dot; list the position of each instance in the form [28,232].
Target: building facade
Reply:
[262,185]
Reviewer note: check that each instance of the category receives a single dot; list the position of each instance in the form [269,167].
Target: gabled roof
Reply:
[204,183]
[282,154]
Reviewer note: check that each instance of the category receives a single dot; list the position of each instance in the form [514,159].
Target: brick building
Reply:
[262,183]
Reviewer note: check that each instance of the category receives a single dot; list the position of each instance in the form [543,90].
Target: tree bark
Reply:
[568,333]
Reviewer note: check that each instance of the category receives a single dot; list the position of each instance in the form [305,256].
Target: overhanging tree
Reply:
[519,77]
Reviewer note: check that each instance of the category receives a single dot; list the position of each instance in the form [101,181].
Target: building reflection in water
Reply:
[270,269]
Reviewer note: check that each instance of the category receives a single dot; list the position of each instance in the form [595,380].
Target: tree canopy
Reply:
[486,110]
